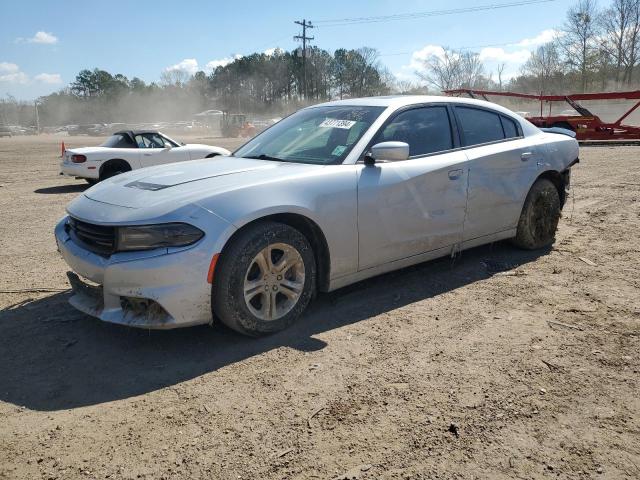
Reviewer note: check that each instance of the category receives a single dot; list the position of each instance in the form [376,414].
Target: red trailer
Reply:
[586,125]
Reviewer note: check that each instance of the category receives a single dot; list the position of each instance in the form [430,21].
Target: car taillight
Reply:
[78,158]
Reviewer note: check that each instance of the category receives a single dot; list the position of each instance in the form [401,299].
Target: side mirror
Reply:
[394,151]
[168,146]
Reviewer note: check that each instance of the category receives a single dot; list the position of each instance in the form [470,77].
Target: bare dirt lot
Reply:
[500,364]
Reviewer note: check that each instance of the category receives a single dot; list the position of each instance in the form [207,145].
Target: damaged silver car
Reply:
[331,195]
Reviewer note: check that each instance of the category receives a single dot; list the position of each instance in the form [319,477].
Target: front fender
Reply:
[328,198]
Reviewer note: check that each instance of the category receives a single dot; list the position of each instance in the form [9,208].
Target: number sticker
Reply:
[335,123]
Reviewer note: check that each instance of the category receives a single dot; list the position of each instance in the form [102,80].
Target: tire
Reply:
[237,269]
[540,216]
[92,181]
[114,169]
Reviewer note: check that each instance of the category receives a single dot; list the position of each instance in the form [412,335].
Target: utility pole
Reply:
[304,39]
[37,118]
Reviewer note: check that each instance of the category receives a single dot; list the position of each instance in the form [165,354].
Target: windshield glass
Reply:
[320,135]
[119,140]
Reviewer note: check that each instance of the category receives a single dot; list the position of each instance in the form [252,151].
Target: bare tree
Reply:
[453,69]
[175,77]
[544,64]
[579,40]
[620,25]
[500,70]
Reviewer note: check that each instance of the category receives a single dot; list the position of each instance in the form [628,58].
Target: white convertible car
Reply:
[331,195]
[129,150]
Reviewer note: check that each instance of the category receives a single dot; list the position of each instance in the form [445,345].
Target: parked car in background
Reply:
[331,195]
[5,131]
[91,129]
[130,150]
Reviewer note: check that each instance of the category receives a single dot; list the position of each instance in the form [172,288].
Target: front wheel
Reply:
[264,279]
[539,218]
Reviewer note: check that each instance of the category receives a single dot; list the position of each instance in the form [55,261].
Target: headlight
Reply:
[146,237]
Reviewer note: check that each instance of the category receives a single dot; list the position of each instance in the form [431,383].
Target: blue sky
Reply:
[43,44]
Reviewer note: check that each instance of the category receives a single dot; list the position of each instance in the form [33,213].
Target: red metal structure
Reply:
[586,125]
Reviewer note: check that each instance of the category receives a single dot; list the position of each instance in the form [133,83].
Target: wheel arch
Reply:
[557,179]
[310,229]
[115,162]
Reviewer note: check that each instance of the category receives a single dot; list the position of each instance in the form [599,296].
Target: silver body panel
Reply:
[374,218]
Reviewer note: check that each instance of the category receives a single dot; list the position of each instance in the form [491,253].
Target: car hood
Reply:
[156,191]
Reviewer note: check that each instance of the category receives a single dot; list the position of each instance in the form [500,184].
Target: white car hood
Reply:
[159,190]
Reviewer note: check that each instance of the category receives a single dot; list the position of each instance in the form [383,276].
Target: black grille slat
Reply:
[95,238]
[93,231]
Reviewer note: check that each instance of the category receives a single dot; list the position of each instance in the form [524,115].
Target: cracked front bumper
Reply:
[154,289]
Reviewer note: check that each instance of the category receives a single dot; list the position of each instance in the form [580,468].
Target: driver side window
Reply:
[149,140]
[427,130]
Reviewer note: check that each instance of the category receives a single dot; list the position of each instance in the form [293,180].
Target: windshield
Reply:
[119,140]
[320,135]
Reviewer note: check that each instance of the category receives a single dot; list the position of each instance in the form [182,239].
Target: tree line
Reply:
[261,83]
[594,49]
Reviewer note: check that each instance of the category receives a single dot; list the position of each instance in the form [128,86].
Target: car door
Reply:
[413,206]
[502,164]
[156,150]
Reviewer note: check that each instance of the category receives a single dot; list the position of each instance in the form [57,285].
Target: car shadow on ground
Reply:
[73,188]
[53,357]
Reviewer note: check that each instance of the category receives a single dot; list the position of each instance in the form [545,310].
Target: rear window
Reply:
[510,129]
[119,140]
[479,126]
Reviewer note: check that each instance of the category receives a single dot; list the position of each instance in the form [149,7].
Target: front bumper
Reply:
[155,289]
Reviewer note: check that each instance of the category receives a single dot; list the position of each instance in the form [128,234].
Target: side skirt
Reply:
[345,280]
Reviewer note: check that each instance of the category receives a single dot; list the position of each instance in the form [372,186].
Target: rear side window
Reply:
[426,130]
[119,140]
[479,126]
[509,126]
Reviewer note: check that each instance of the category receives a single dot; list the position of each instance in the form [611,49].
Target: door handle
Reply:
[148,154]
[525,156]
[455,174]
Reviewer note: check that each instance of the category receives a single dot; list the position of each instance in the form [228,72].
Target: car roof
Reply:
[134,132]
[398,101]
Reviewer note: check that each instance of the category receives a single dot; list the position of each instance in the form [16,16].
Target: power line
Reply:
[430,13]
[473,47]
[304,39]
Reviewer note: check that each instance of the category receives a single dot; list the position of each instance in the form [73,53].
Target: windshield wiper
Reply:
[263,156]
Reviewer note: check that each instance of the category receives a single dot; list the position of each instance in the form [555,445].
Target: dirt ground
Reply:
[500,364]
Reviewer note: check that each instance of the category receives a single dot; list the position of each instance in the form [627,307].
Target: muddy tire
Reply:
[264,279]
[539,218]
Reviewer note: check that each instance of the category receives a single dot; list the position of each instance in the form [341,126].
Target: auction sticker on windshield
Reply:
[335,123]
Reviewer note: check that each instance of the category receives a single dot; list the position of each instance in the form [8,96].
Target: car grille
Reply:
[96,238]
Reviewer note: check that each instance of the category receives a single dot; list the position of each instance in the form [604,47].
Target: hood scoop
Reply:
[146,186]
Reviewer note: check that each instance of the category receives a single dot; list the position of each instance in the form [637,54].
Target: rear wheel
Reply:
[539,218]
[113,168]
[264,280]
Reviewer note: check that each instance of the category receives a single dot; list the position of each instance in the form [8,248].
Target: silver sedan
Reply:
[331,195]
